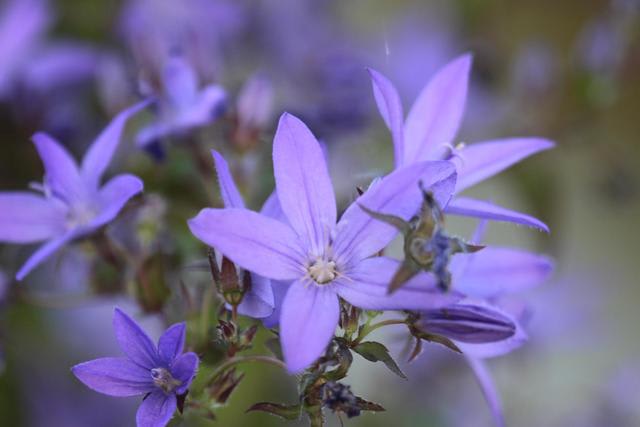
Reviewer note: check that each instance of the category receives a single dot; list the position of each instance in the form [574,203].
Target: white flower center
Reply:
[80,215]
[163,379]
[323,271]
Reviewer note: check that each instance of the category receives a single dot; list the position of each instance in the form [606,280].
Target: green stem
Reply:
[246,359]
[367,329]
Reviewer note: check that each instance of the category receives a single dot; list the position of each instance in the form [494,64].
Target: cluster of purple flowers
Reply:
[305,263]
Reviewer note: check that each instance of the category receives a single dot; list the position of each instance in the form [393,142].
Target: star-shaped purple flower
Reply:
[324,258]
[161,372]
[72,203]
[428,134]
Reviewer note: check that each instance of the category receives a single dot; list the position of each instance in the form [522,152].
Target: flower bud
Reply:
[468,323]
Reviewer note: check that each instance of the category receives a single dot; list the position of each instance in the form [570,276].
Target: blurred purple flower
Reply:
[72,204]
[181,104]
[161,372]
[323,259]
[428,134]
[255,103]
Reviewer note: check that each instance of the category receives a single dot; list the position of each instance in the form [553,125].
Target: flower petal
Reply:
[180,82]
[184,369]
[366,287]
[133,341]
[435,116]
[272,208]
[156,410]
[44,252]
[113,196]
[307,323]
[497,348]
[303,183]
[258,302]
[358,235]
[27,218]
[482,160]
[228,190]
[390,108]
[480,209]
[494,271]
[61,171]
[208,106]
[100,153]
[253,241]
[171,342]
[279,290]
[114,376]
[489,391]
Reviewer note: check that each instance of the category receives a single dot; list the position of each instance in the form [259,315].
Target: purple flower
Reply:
[159,372]
[322,257]
[428,134]
[182,105]
[72,203]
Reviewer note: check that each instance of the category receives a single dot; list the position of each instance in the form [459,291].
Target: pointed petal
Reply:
[208,106]
[272,208]
[483,160]
[253,241]
[228,190]
[489,391]
[495,271]
[307,323]
[44,252]
[113,196]
[359,236]
[114,376]
[180,82]
[258,302]
[171,342]
[100,153]
[133,341]
[61,171]
[27,218]
[303,183]
[435,116]
[480,209]
[390,108]
[366,286]
[184,369]
[156,410]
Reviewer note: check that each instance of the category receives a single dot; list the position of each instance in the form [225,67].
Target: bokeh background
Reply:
[569,71]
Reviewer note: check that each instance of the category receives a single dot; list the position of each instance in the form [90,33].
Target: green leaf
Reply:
[288,412]
[376,352]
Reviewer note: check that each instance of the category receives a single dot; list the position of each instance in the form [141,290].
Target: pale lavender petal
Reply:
[303,183]
[61,171]
[184,369]
[272,208]
[390,108]
[133,341]
[358,235]
[27,218]
[180,82]
[208,106]
[481,209]
[279,290]
[307,323]
[113,196]
[44,252]
[171,342]
[156,410]
[59,64]
[255,102]
[100,153]
[489,391]
[258,302]
[495,271]
[228,190]
[253,241]
[483,160]
[114,376]
[366,286]
[435,117]
[497,348]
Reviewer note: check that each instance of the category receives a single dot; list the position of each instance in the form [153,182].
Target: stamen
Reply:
[322,271]
[163,379]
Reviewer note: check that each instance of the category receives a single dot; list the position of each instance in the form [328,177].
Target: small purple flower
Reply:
[182,106]
[161,372]
[73,203]
[428,134]
[324,258]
